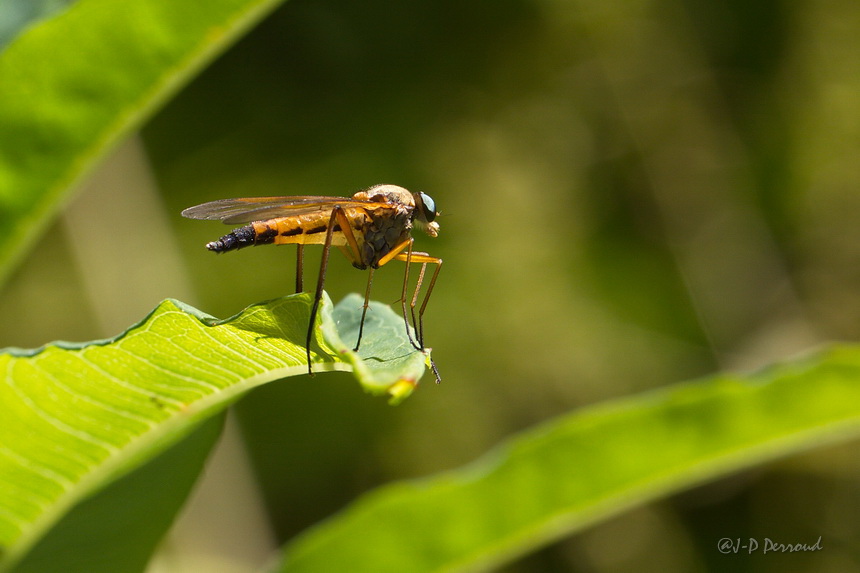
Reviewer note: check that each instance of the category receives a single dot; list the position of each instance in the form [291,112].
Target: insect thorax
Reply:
[383,230]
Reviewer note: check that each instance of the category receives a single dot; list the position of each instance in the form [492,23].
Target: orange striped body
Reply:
[308,229]
[377,230]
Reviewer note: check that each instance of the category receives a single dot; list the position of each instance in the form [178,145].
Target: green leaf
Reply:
[119,528]
[73,84]
[556,479]
[77,416]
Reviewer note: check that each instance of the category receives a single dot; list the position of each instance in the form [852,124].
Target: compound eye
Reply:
[428,207]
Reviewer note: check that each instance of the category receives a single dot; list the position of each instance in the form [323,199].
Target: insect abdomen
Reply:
[305,229]
[246,236]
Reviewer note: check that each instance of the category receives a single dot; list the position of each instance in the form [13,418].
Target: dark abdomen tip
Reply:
[235,239]
[217,246]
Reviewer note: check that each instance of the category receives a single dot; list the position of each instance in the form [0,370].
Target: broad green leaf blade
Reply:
[556,479]
[119,528]
[73,84]
[76,416]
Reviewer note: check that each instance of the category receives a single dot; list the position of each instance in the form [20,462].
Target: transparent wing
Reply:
[248,209]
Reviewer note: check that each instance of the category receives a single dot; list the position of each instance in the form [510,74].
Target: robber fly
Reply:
[372,228]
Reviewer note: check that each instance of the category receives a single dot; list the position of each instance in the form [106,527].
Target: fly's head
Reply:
[425,213]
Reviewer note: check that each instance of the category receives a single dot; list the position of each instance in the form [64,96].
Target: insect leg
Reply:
[418,331]
[321,280]
[300,257]
[408,259]
[438,263]
[353,253]
[397,252]
[424,259]
[346,229]
[364,309]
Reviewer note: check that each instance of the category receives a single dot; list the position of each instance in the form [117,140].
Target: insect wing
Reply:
[246,210]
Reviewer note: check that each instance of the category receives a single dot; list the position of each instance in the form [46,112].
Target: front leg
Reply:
[300,259]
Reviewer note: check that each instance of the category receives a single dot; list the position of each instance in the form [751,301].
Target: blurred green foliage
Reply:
[16,15]
[632,193]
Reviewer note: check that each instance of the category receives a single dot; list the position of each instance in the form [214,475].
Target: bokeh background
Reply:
[632,194]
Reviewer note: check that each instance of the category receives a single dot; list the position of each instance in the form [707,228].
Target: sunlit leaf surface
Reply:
[74,416]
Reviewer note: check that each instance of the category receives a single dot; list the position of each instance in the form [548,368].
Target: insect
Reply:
[372,228]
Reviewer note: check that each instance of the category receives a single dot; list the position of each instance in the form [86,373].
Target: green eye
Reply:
[428,207]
